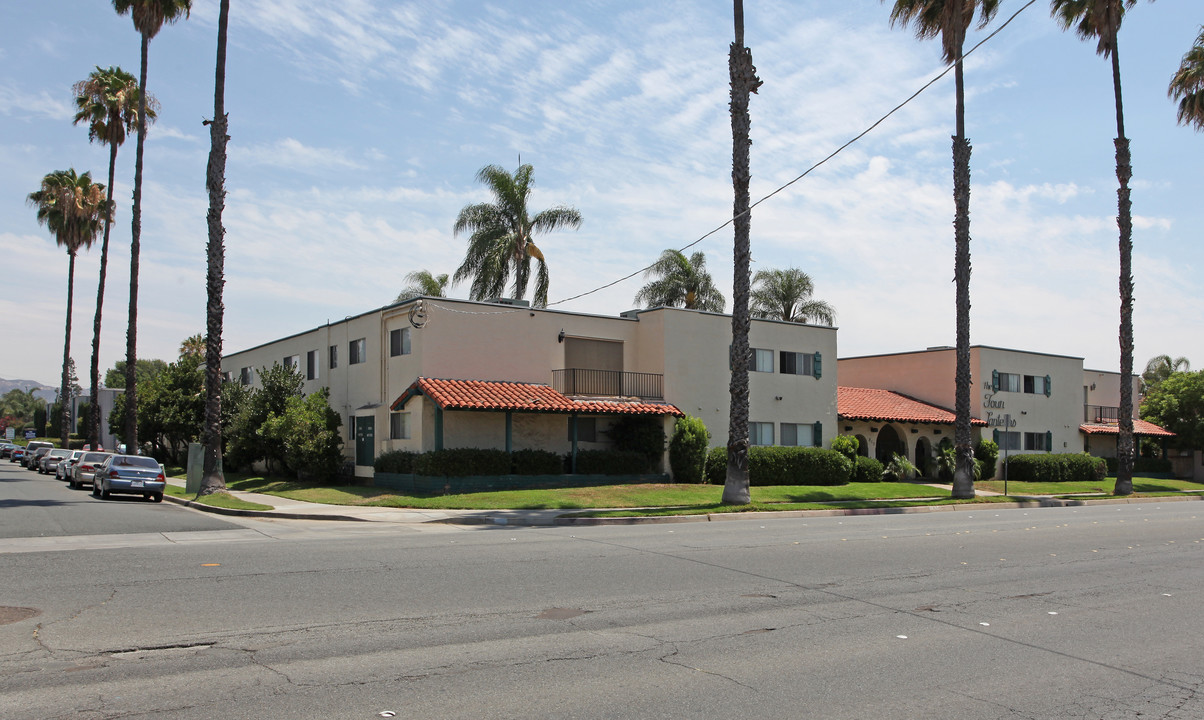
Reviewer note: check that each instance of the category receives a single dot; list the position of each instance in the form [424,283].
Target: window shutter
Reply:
[1048,441]
[818,437]
[1048,389]
[996,435]
[817,366]
[995,380]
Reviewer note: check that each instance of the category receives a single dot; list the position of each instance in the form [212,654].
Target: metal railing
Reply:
[582,381]
[1101,414]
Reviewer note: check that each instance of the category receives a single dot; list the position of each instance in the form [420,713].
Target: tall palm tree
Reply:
[742,76]
[149,17]
[108,102]
[74,209]
[1100,20]
[786,295]
[1161,367]
[681,282]
[1187,85]
[422,282]
[949,20]
[213,479]
[502,233]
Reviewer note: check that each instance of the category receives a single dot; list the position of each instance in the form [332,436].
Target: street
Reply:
[1085,612]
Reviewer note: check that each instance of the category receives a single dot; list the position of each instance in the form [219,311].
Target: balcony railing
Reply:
[1101,414]
[610,383]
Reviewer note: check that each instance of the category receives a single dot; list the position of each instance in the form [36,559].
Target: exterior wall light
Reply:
[560,337]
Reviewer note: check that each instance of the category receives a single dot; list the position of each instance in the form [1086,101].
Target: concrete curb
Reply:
[286,514]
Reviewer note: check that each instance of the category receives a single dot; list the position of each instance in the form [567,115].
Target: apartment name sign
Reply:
[989,403]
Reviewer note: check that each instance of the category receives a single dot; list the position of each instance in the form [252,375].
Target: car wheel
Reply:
[104,493]
[95,490]
[71,483]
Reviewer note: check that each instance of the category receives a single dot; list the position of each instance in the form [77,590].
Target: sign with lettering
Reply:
[1003,421]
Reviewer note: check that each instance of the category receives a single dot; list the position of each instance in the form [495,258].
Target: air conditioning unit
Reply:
[511,302]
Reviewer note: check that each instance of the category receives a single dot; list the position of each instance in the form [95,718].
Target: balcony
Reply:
[1101,414]
[609,383]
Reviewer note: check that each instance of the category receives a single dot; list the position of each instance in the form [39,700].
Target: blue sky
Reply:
[357,128]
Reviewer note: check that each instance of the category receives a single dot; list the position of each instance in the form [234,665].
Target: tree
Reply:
[108,101]
[308,432]
[1100,20]
[1187,85]
[149,17]
[73,208]
[949,20]
[501,240]
[421,282]
[213,479]
[247,442]
[680,282]
[1161,367]
[170,409]
[20,404]
[742,75]
[786,295]
[1178,405]
[144,372]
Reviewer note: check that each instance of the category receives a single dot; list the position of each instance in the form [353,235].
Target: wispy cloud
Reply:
[16,101]
[295,155]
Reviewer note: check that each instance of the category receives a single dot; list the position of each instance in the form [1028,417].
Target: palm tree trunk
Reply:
[64,397]
[213,478]
[963,476]
[94,397]
[743,82]
[131,334]
[1124,219]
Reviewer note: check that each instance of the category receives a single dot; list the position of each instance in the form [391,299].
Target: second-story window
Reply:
[399,342]
[355,352]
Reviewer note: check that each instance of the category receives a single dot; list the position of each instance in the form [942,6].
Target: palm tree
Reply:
[213,479]
[1187,85]
[422,282]
[1101,19]
[149,17]
[108,102]
[1161,367]
[949,20]
[74,209]
[502,233]
[742,76]
[680,282]
[786,295]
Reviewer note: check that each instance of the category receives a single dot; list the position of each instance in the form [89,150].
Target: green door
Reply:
[365,440]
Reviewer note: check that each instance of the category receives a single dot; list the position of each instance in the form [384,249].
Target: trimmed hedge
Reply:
[1064,467]
[866,470]
[784,466]
[612,462]
[537,462]
[986,452]
[462,462]
[395,461]
[688,450]
[1144,465]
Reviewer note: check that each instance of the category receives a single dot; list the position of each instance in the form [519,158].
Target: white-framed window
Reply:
[797,363]
[399,342]
[760,433]
[1036,441]
[1009,382]
[355,352]
[244,375]
[797,434]
[291,362]
[334,356]
[1037,384]
[311,365]
[399,426]
[762,360]
[1009,440]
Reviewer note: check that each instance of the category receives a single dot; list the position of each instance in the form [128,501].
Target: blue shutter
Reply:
[995,380]
[1048,387]
[996,435]
[817,366]
[1048,441]
[818,438]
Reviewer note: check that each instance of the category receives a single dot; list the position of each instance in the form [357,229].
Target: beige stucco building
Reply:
[665,358]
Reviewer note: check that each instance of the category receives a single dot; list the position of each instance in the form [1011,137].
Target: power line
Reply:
[807,172]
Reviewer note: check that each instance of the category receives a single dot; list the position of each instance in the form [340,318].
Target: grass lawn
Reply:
[1141,486]
[222,500]
[608,496]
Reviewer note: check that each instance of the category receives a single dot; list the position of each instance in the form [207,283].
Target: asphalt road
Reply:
[33,505]
[1090,612]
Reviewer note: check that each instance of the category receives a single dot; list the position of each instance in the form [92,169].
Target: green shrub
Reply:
[1064,467]
[900,469]
[1143,465]
[688,449]
[642,434]
[612,462]
[987,452]
[773,465]
[716,466]
[867,469]
[846,445]
[462,462]
[537,462]
[395,461]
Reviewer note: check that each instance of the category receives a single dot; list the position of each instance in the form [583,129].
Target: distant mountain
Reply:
[6,385]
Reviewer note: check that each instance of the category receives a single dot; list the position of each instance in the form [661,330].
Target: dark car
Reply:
[17,455]
[34,455]
[6,450]
[85,468]
[131,475]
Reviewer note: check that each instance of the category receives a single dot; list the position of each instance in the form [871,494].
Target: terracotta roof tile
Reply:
[1140,427]
[854,403]
[526,397]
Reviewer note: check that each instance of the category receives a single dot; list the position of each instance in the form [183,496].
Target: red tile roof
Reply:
[854,403]
[525,397]
[1140,427]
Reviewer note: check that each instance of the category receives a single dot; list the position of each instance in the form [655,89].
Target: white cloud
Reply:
[15,101]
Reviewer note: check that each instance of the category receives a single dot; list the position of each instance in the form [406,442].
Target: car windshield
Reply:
[94,457]
[60,453]
[138,461]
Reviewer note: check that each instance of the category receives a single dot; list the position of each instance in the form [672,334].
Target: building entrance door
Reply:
[365,440]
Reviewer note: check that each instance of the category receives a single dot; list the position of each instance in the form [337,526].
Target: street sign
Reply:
[10,433]
[30,434]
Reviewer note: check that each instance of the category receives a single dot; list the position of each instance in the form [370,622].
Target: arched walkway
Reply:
[889,443]
[863,446]
[923,457]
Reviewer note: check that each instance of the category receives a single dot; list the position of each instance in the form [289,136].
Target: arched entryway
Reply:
[863,446]
[923,457]
[889,443]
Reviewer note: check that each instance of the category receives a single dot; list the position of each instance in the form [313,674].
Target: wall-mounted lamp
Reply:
[560,337]
[936,431]
[1092,386]
[848,428]
[1024,412]
[777,397]
[873,429]
[914,431]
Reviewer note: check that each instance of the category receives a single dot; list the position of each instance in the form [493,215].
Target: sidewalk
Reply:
[284,508]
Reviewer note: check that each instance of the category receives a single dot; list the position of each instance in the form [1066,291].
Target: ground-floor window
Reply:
[760,433]
[797,434]
[1008,441]
[399,426]
[1036,441]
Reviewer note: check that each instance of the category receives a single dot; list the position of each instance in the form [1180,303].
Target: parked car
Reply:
[34,455]
[63,472]
[49,462]
[17,455]
[82,472]
[6,450]
[129,474]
